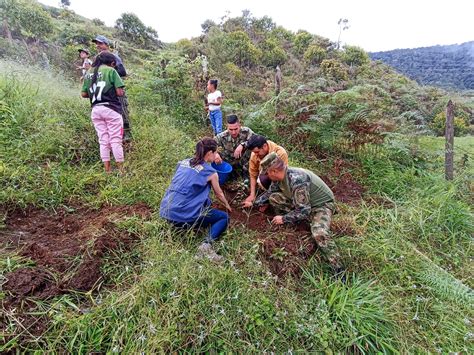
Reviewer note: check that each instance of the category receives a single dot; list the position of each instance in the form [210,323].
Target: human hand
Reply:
[218,159]
[248,202]
[238,151]
[277,220]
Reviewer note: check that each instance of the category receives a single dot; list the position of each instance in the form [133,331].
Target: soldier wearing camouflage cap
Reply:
[232,146]
[298,194]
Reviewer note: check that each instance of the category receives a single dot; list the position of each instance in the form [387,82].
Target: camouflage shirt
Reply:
[227,145]
[303,188]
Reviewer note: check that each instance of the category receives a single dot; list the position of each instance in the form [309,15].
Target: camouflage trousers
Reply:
[320,221]
[125,114]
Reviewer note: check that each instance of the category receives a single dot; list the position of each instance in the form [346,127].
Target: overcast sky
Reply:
[374,25]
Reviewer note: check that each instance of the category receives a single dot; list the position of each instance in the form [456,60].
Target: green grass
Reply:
[409,286]
[463,151]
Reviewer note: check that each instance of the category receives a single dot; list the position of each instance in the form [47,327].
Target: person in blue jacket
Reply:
[186,202]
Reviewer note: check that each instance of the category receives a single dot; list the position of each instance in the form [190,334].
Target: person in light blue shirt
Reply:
[186,202]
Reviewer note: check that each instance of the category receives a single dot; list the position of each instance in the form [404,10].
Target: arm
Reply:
[238,151]
[118,83]
[218,191]
[121,70]
[248,202]
[119,67]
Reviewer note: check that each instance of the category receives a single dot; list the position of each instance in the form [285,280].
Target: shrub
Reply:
[26,18]
[332,68]
[461,127]
[131,28]
[241,50]
[302,41]
[353,55]
[314,54]
[273,54]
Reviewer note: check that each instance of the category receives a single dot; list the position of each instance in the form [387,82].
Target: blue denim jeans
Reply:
[216,120]
[216,219]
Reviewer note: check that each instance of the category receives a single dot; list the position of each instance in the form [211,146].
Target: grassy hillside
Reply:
[86,264]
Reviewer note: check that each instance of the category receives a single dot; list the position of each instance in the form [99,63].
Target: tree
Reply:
[273,54]
[314,54]
[25,18]
[65,3]
[207,25]
[355,56]
[302,41]
[131,28]
[240,49]
[343,25]
[333,69]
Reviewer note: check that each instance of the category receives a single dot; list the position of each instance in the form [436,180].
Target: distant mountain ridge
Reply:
[449,66]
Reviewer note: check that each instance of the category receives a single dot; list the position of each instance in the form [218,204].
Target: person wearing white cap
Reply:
[86,62]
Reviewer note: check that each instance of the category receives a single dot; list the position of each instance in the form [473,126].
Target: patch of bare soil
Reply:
[283,248]
[340,180]
[67,248]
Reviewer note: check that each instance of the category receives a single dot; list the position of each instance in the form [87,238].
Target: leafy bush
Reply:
[273,54]
[353,55]
[332,68]
[461,127]
[302,41]
[240,50]
[314,54]
[26,18]
[132,29]
[187,47]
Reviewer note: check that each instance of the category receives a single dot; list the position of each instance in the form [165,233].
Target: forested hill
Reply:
[449,66]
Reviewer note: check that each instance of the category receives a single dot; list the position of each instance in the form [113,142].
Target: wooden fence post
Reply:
[449,150]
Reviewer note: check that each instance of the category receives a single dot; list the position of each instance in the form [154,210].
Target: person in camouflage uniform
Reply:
[298,194]
[232,146]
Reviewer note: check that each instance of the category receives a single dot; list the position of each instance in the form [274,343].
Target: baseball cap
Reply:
[83,50]
[267,162]
[102,39]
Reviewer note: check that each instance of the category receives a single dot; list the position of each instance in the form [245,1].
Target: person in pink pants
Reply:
[109,127]
[102,85]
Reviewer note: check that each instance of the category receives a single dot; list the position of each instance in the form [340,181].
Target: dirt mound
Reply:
[67,248]
[341,181]
[283,248]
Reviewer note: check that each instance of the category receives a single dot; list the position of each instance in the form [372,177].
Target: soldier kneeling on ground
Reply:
[298,194]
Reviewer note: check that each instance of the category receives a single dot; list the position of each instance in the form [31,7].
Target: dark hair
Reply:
[106,58]
[231,119]
[202,147]
[256,141]
[214,83]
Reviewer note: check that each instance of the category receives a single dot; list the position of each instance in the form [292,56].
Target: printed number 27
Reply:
[97,94]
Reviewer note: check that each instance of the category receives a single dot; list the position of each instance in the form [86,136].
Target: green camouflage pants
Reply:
[320,220]
[125,113]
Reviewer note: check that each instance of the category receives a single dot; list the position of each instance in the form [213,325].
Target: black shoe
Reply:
[127,136]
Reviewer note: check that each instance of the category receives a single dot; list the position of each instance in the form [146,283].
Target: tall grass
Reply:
[165,300]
